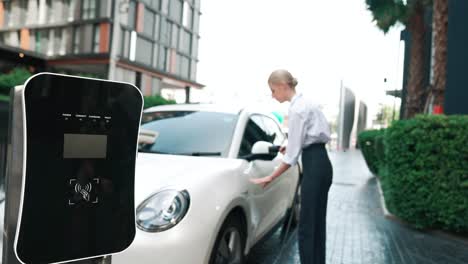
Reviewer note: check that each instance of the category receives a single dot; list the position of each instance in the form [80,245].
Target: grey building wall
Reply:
[456,93]
[346,117]
[362,117]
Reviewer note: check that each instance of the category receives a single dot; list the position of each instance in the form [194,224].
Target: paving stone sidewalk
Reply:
[358,232]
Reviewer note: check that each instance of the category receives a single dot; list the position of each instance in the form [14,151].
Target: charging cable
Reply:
[285,239]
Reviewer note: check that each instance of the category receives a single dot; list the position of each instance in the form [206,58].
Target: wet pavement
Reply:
[358,232]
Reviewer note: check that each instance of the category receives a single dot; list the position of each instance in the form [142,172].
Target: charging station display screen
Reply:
[84,146]
[81,145]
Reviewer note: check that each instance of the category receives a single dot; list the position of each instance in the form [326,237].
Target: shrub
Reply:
[156,100]
[427,171]
[368,142]
[16,77]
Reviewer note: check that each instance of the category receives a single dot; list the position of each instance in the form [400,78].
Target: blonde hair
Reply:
[283,76]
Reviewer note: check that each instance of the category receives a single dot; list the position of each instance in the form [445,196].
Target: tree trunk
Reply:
[415,91]
[440,51]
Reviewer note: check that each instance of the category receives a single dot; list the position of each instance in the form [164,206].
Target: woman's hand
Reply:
[268,179]
[263,181]
[282,149]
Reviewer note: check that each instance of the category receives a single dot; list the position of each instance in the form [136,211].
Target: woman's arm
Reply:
[275,174]
[297,132]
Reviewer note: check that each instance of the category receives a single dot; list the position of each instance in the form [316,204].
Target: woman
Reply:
[308,133]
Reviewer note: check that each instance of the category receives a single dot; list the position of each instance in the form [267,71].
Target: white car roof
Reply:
[222,108]
[196,107]
[219,108]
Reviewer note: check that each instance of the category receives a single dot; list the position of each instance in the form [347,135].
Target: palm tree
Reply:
[440,28]
[388,13]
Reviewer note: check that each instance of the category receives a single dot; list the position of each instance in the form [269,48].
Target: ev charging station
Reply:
[71,168]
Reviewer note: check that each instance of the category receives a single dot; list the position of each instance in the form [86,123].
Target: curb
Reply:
[386,213]
[395,218]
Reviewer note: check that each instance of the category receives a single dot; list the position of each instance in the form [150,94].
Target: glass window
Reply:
[156,85]
[49,11]
[155,4]
[7,13]
[196,21]
[253,132]
[185,41]
[177,64]
[96,38]
[165,31]
[155,55]
[148,26]
[187,16]
[88,9]
[87,39]
[273,131]
[76,40]
[162,58]
[57,40]
[37,46]
[195,46]
[13,38]
[125,44]
[66,41]
[176,10]
[144,49]
[133,43]
[50,44]
[193,70]
[181,39]
[165,6]
[131,14]
[122,42]
[23,5]
[68,9]
[147,2]
[184,67]
[174,35]
[168,60]
[156,27]
[190,133]
[58,7]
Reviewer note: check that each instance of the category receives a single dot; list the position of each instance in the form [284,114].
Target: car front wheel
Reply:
[230,243]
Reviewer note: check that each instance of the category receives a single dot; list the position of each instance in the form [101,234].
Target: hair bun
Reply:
[294,82]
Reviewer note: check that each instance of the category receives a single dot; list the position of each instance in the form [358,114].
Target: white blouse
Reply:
[307,125]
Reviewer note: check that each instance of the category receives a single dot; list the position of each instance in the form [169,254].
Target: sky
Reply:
[322,43]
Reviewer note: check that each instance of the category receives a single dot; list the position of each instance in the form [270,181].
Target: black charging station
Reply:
[79,150]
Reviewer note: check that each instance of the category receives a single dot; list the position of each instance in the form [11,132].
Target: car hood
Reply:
[156,171]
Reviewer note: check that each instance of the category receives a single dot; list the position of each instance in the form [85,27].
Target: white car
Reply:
[195,201]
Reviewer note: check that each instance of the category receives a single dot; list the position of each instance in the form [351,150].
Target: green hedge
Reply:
[426,179]
[9,80]
[156,100]
[369,142]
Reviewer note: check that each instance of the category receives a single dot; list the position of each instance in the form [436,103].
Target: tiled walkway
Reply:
[358,232]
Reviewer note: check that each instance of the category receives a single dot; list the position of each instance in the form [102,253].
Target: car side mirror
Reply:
[263,150]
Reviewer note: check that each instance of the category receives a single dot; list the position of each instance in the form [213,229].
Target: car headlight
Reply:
[162,210]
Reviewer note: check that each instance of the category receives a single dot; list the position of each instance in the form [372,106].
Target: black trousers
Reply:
[316,181]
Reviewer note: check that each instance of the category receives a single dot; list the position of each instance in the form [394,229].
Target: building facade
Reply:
[151,43]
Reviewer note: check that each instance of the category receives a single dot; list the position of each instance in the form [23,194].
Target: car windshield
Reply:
[195,133]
